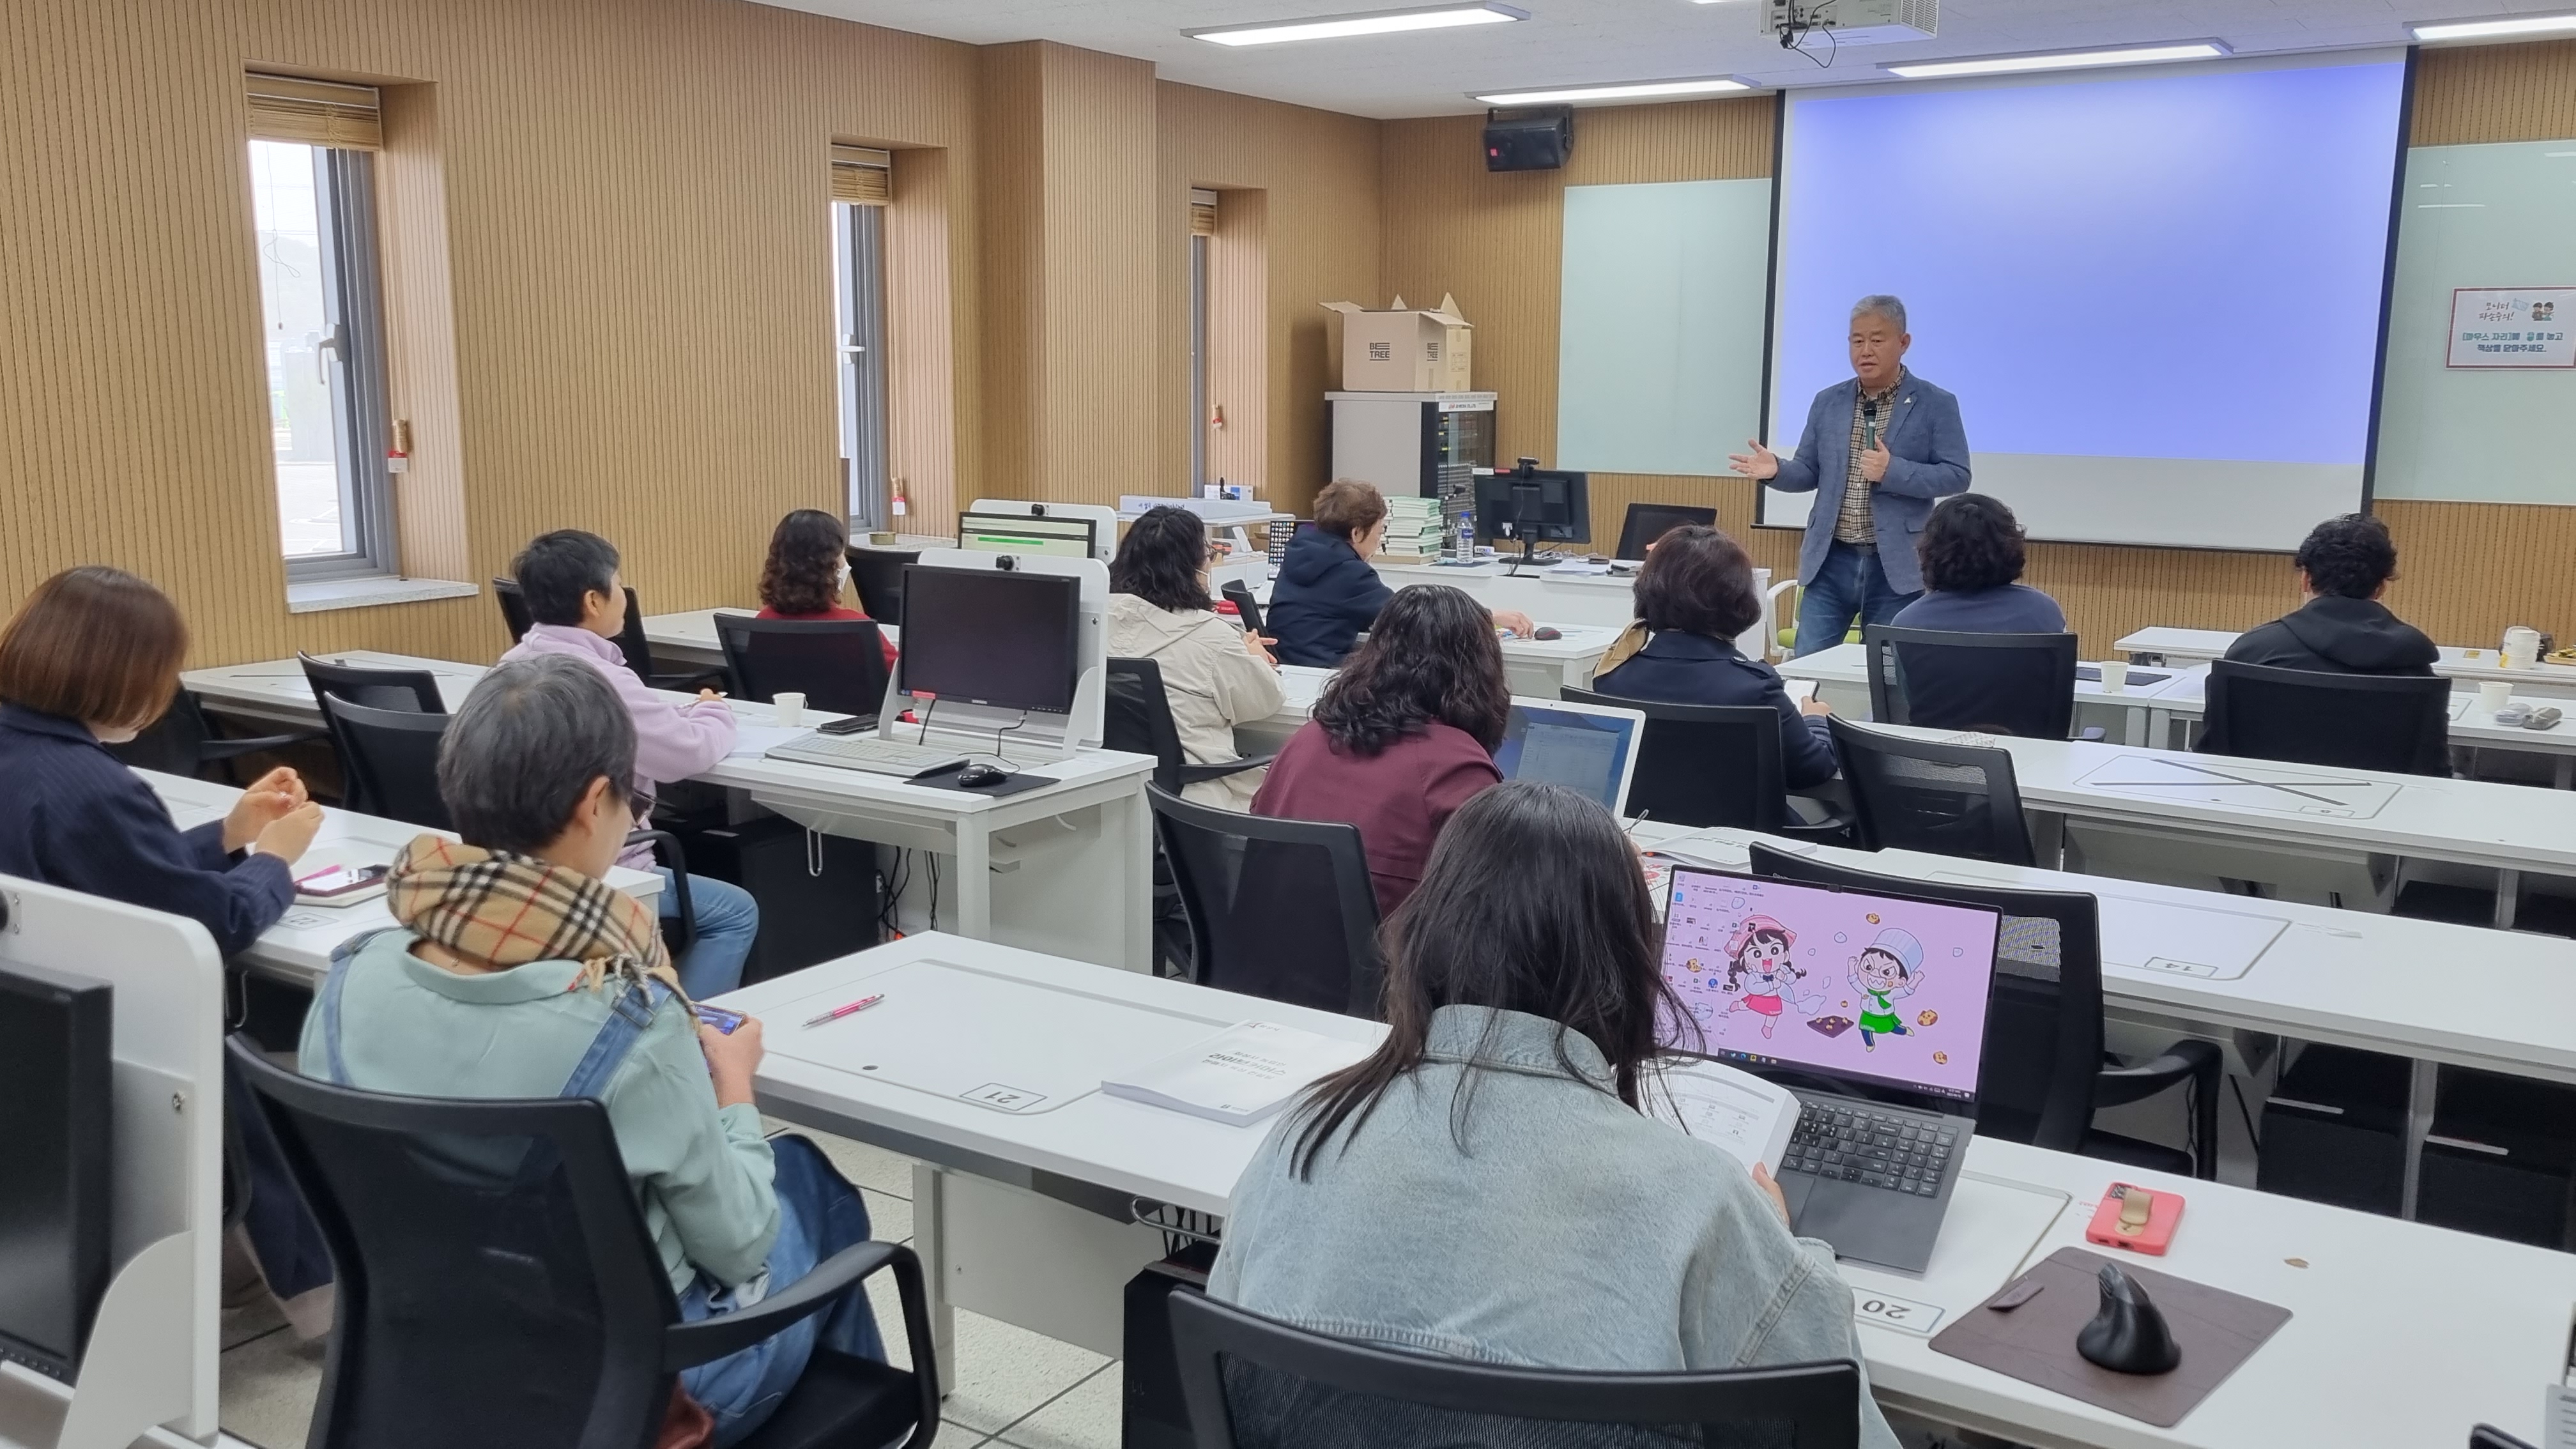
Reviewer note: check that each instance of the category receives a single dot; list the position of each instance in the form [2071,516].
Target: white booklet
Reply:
[1727,1108]
[1239,1076]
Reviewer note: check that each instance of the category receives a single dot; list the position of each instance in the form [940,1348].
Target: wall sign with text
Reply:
[2513,327]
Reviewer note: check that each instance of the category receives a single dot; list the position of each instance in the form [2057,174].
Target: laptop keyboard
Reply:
[1875,1149]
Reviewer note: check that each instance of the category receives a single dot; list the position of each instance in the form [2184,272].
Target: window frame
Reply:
[859,362]
[344,204]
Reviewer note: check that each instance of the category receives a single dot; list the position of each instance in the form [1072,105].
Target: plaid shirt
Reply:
[1853,524]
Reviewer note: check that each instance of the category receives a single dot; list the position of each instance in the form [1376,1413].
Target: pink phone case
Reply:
[2152,1239]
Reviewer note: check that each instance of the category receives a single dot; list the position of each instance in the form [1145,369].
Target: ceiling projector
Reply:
[1851,22]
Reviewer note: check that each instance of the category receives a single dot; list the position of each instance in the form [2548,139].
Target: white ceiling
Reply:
[1570,42]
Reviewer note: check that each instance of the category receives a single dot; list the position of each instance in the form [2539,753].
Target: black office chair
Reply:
[514,608]
[1252,1381]
[2005,684]
[183,742]
[412,691]
[1913,794]
[2349,721]
[679,932]
[1280,909]
[1246,607]
[2044,1075]
[1703,765]
[877,573]
[2488,1436]
[497,1285]
[390,757]
[639,656]
[838,664]
[1137,718]
[1646,522]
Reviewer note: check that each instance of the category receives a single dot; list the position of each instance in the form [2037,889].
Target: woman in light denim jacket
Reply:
[1484,1185]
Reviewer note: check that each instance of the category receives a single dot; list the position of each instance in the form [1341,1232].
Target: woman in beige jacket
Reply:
[1216,674]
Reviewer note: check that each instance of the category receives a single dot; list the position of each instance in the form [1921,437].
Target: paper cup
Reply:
[2115,676]
[2495,694]
[789,707]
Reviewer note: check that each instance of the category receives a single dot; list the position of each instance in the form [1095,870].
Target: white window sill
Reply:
[369,592]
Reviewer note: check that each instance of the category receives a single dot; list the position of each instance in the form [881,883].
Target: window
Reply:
[321,316]
[862,184]
[1202,227]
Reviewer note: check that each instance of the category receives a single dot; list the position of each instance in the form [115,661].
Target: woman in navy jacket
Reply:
[1694,596]
[1327,594]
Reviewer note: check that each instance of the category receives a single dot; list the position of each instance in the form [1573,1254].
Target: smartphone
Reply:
[340,880]
[721,1019]
[847,725]
[2122,1220]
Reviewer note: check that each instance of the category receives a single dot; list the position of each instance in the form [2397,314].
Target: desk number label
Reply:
[1901,1314]
[1008,1099]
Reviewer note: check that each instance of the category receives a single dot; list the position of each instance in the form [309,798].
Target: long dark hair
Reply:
[803,575]
[1532,902]
[1431,656]
[1159,560]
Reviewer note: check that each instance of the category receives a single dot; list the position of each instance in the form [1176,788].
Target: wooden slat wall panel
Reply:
[1240,332]
[2479,93]
[1011,136]
[1097,417]
[429,499]
[927,372]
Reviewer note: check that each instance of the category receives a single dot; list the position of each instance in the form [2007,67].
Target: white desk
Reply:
[690,638]
[2192,646]
[2401,1334]
[1075,859]
[1841,674]
[2473,725]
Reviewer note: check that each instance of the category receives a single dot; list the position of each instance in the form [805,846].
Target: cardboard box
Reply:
[1405,349]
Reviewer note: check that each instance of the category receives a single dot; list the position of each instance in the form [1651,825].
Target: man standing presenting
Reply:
[1878,452]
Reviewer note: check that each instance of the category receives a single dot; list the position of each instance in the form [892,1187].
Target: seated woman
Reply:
[1326,594]
[519,972]
[1503,1111]
[1401,737]
[1216,675]
[809,565]
[1972,557]
[1694,595]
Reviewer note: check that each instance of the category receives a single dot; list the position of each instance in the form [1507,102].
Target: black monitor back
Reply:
[57,1091]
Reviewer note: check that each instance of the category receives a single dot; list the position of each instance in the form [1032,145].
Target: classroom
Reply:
[1175,724]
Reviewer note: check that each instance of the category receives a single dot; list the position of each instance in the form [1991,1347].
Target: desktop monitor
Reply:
[1531,505]
[56,1092]
[1586,747]
[1014,533]
[1874,990]
[995,637]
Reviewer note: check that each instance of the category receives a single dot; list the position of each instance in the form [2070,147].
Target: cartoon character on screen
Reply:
[1886,973]
[1758,970]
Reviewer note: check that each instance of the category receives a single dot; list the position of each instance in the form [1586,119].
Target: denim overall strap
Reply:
[628,1015]
[328,1003]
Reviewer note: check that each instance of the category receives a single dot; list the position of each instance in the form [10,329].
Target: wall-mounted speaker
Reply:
[1536,140]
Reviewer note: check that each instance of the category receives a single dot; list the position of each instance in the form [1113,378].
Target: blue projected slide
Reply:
[2157,295]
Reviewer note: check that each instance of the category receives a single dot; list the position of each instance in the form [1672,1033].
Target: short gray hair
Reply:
[521,754]
[1891,308]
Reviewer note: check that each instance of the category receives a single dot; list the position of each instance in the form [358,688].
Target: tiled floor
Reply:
[1015,1389]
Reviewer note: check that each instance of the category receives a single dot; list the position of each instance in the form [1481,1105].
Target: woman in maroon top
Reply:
[1402,736]
[809,561]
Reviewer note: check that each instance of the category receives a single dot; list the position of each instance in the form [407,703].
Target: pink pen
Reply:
[836,1013]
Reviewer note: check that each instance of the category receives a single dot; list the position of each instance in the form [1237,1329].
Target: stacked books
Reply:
[1413,525]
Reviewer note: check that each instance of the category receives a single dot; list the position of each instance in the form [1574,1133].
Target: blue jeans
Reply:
[819,1214]
[728,918]
[1849,581]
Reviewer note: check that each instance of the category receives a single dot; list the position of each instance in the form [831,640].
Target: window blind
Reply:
[1202,213]
[862,175]
[316,113]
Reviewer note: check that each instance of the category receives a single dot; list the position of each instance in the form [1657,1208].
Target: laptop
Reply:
[1586,747]
[1843,994]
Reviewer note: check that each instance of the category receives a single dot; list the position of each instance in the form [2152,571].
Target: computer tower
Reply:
[1421,444]
[2334,1130]
[2501,1158]
[57,1105]
[820,895]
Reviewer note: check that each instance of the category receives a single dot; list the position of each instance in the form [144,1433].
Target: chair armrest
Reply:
[666,848]
[2186,1060]
[686,1345]
[216,750]
[715,679]
[1193,774]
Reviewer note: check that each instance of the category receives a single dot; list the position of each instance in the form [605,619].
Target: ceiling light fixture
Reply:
[1373,22]
[2488,29]
[2062,60]
[1624,91]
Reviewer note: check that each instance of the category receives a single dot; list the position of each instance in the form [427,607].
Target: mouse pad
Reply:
[947,780]
[2035,1343]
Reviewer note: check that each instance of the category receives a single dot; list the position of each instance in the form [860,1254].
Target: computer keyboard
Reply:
[866,752]
[1875,1149]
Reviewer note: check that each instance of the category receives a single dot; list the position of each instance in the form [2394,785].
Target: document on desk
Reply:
[1800,690]
[2211,943]
[752,740]
[1242,1075]
[1747,1117]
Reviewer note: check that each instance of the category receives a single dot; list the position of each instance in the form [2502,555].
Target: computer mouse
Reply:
[1547,632]
[975,775]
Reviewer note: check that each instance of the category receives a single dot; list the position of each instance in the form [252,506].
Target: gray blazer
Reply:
[1569,1232]
[1928,462]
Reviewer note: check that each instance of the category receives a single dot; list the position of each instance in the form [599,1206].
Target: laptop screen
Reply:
[1590,750]
[1877,990]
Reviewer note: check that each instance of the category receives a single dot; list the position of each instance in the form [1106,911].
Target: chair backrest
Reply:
[631,641]
[2007,684]
[1280,909]
[174,744]
[411,689]
[877,573]
[391,756]
[837,664]
[514,607]
[1646,522]
[2044,1018]
[1253,1382]
[496,1285]
[1246,607]
[2351,721]
[1136,716]
[1911,794]
[1704,765]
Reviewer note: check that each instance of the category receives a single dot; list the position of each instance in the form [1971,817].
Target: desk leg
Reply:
[2136,724]
[2421,1086]
[930,1243]
[2565,776]
[974,879]
[2508,898]
[2048,838]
